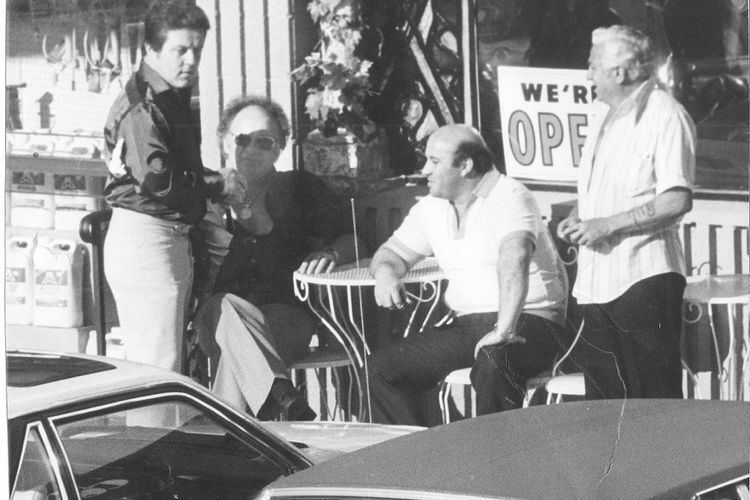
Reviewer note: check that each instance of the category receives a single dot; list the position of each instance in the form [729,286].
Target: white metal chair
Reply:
[316,374]
[557,385]
[732,293]
[571,384]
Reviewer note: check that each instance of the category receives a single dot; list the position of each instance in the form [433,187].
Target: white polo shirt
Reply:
[501,206]
[646,148]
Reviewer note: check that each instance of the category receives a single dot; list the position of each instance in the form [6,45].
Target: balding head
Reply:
[466,142]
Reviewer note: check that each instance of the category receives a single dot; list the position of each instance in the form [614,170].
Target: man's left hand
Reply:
[319,262]
[496,337]
[591,232]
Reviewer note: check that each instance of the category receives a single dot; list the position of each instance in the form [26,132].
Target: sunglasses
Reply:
[261,142]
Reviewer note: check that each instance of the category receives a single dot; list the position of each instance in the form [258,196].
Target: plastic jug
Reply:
[58,283]
[32,210]
[19,280]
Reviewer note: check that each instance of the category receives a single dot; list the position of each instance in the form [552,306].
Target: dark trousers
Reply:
[500,372]
[402,371]
[630,347]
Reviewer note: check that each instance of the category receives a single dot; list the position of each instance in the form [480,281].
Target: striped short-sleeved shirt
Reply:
[645,148]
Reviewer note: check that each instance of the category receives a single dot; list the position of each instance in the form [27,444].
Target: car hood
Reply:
[321,441]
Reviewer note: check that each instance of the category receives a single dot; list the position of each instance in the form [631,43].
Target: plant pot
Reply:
[345,163]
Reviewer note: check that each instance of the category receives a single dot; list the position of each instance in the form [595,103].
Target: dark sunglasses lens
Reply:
[261,142]
[243,140]
[265,143]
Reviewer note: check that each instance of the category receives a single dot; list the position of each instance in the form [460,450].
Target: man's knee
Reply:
[207,319]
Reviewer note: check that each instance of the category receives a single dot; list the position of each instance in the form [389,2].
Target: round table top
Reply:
[720,288]
[352,275]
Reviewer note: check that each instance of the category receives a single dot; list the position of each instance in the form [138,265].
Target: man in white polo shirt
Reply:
[507,287]
[636,172]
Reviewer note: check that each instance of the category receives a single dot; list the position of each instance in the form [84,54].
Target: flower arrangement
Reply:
[338,81]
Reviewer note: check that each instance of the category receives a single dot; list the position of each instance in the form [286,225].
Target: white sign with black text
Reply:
[545,114]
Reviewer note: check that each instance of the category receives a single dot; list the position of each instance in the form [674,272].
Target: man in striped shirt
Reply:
[636,173]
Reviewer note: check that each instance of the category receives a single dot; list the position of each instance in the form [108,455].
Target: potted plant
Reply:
[345,141]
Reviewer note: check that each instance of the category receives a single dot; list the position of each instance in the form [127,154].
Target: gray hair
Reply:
[272,108]
[632,49]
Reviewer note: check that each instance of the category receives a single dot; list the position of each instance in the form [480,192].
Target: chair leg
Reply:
[443,396]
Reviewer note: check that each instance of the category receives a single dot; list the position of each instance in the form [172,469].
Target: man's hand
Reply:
[566,226]
[390,292]
[115,164]
[319,262]
[496,337]
[234,188]
[591,232]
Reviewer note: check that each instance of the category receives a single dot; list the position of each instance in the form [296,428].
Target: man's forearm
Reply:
[386,260]
[660,212]
[513,281]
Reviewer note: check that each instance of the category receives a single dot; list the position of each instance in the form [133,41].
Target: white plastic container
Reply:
[58,283]
[19,280]
[32,210]
[69,210]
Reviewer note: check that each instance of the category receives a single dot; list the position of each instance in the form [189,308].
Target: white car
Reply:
[98,428]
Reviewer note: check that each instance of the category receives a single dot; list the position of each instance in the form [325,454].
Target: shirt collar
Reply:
[638,99]
[153,79]
[488,181]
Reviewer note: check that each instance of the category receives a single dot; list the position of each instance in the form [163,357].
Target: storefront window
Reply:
[701,46]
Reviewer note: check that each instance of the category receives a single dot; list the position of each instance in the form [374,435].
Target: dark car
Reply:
[628,449]
[98,428]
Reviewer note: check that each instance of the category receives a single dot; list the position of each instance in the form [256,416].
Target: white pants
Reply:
[249,347]
[149,268]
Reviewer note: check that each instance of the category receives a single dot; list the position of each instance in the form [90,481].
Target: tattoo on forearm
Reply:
[643,215]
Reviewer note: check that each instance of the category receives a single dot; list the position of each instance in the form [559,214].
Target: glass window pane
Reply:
[35,479]
[701,52]
[163,450]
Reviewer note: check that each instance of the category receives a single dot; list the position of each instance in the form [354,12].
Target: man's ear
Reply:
[148,49]
[466,166]
[621,75]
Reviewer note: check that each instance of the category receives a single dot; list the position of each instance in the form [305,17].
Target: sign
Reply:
[545,115]
[69,182]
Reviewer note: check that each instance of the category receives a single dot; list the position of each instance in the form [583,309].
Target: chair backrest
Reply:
[381,213]
[93,230]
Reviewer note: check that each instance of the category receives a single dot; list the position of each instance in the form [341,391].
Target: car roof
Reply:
[593,449]
[41,380]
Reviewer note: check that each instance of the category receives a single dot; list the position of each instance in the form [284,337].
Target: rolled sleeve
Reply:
[674,159]
[516,213]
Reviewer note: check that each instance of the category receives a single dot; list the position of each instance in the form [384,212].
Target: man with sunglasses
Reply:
[250,324]
[158,186]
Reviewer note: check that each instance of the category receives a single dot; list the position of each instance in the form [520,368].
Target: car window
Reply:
[738,489]
[162,450]
[36,478]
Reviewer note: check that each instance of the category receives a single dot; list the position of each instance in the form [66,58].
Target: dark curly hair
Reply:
[166,15]
[273,109]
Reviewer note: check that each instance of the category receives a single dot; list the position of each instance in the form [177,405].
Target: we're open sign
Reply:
[545,117]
